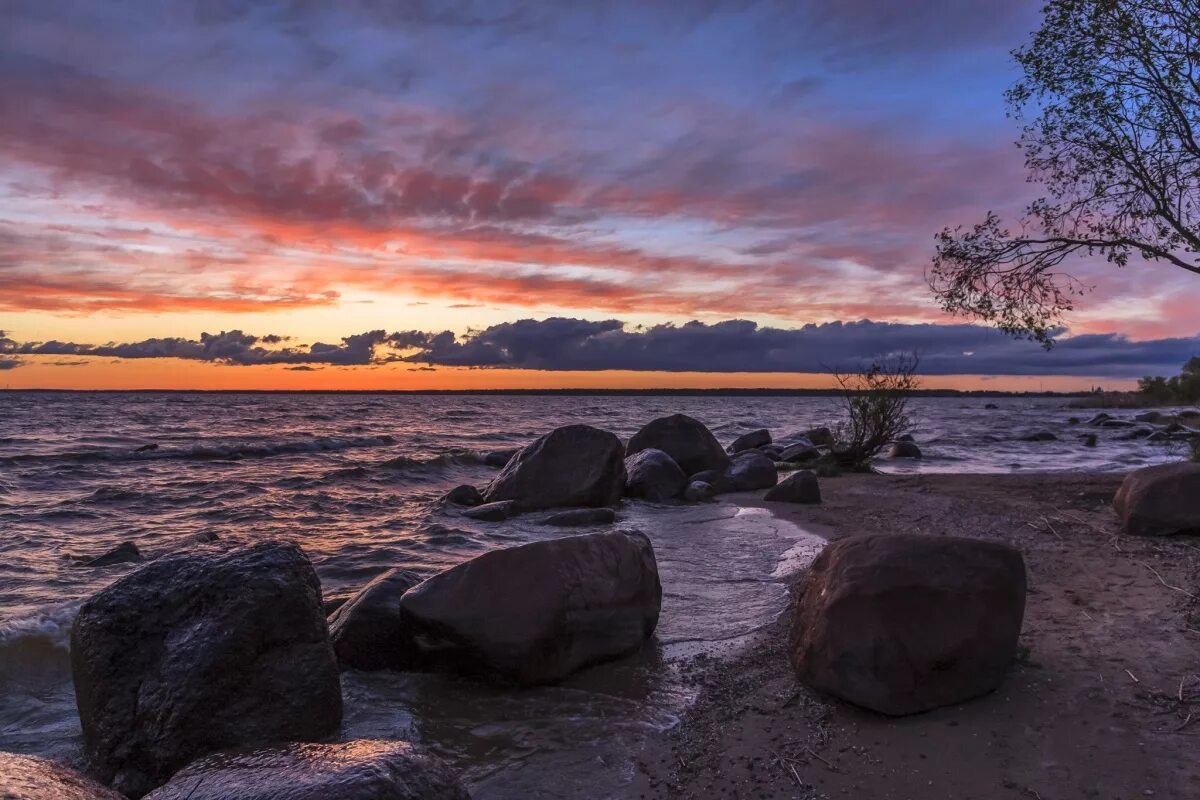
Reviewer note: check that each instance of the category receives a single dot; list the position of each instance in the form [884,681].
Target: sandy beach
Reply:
[1104,701]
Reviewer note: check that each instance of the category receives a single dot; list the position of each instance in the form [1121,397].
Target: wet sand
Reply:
[1104,701]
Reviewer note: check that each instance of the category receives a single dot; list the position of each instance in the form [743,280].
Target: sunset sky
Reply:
[404,195]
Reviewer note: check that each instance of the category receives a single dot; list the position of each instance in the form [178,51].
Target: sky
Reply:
[420,194]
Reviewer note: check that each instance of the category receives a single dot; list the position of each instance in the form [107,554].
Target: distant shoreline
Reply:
[566,392]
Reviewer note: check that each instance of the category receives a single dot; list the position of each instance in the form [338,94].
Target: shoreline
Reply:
[1103,702]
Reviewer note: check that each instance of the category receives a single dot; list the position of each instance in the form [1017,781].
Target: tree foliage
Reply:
[1114,87]
[1182,388]
[876,402]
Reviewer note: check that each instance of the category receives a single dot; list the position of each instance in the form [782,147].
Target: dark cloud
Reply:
[559,344]
[9,363]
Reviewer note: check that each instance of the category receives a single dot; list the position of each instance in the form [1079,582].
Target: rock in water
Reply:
[752,470]
[821,437]
[750,441]
[365,630]
[799,487]
[33,778]
[1160,501]
[906,623]
[691,445]
[904,449]
[801,451]
[465,495]
[1039,436]
[597,598]
[200,652]
[699,491]
[124,553]
[653,475]
[576,465]
[493,512]
[363,769]
[578,517]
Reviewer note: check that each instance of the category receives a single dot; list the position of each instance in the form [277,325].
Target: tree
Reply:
[1115,85]
[876,401]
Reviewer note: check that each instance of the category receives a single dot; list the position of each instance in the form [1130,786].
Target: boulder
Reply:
[991,406]
[32,778]
[717,479]
[124,553]
[1090,440]
[750,441]
[904,448]
[200,652]
[1160,501]
[799,487]
[493,512]
[821,436]
[752,470]
[687,441]
[572,466]
[535,613]
[465,495]
[1073,420]
[363,769]
[366,631]
[653,475]
[1039,436]
[578,517]
[903,623]
[500,458]
[1099,419]
[698,492]
[802,451]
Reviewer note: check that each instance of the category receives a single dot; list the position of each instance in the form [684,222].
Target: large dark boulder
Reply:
[364,769]
[699,492]
[653,475]
[799,487]
[801,451]
[32,778]
[1160,501]
[906,623]
[200,652]
[752,470]
[904,449]
[572,466]
[536,613]
[465,495]
[686,440]
[366,631]
[750,441]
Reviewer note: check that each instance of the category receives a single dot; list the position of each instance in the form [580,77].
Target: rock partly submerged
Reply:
[201,652]
[124,553]
[572,466]
[750,471]
[1160,501]
[905,448]
[750,441]
[686,440]
[364,769]
[365,630]
[905,623]
[25,777]
[653,475]
[465,495]
[597,598]
[580,517]
[493,512]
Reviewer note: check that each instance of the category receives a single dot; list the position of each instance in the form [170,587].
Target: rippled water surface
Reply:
[355,479]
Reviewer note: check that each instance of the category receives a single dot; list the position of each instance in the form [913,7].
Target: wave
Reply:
[36,642]
[452,458]
[209,452]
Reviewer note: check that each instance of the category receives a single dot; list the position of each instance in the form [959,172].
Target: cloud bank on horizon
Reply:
[563,344]
[704,160]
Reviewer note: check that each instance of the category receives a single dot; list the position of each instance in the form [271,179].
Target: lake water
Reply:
[355,479]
